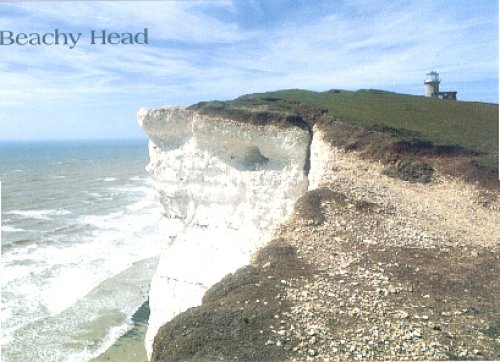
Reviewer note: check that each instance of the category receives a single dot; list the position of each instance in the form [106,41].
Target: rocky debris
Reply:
[402,271]
[309,206]
[369,311]
[410,170]
[233,321]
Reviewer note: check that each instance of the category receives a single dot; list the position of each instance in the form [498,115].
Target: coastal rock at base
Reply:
[223,185]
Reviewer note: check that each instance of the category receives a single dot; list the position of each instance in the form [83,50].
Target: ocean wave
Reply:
[95,320]
[57,176]
[10,229]
[69,253]
[93,194]
[139,205]
[62,281]
[39,214]
[107,179]
[138,189]
[13,272]
[110,339]
[138,178]
[107,221]
[96,197]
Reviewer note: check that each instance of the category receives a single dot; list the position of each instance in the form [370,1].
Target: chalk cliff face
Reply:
[223,185]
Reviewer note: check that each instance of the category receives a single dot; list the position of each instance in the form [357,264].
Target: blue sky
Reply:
[222,49]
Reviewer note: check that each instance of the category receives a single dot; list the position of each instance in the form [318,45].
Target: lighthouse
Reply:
[432,84]
[432,87]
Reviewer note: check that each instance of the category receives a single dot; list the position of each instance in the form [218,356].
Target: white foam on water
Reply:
[14,271]
[91,325]
[93,194]
[112,337]
[140,205]
[11,229]
[108,179]
[143,189]
[107,221]
[138,178]
[39,214]
[110,250]
[63,271]
[65,289]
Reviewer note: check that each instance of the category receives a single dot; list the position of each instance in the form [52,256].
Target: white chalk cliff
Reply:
[223,185]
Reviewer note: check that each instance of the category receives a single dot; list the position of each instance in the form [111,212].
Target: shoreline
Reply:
[130,346]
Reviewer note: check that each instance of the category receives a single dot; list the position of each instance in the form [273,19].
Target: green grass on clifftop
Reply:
[470,125]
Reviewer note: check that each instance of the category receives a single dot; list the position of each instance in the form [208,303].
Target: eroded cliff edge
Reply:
[392,252]
[223,185]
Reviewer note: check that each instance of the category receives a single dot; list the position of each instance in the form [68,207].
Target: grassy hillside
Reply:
[470,125]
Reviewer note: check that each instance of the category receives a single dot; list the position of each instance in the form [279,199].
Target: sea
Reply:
[79,246]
